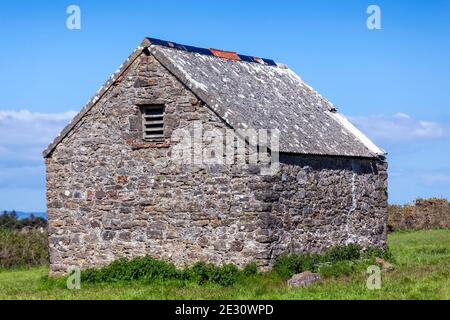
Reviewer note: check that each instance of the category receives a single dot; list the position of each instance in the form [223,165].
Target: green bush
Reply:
[25,248]
[334,261]
[147,269]
[151,270]
[288,265]
[337,269]
[225,276]
[202,273]
[343,253]
[373,252]
[250,269]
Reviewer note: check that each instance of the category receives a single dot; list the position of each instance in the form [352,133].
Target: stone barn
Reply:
[122,182]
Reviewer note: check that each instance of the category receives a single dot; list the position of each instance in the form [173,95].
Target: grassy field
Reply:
[422,271]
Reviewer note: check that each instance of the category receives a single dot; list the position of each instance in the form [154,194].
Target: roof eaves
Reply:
[345,123]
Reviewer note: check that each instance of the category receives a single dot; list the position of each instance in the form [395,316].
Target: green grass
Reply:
[422,271]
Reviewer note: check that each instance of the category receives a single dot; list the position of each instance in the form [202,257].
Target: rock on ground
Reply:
[303,279]
[385,266]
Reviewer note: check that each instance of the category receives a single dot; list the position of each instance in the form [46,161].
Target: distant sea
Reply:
[23,215]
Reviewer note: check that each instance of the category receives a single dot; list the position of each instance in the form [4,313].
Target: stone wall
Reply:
[111,195]
[326,201]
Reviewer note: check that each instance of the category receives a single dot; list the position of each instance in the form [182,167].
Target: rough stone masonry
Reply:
[112,194]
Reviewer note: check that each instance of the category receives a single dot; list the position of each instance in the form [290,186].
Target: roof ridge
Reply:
[224,54]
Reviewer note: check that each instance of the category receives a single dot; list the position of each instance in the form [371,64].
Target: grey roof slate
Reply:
[257,96]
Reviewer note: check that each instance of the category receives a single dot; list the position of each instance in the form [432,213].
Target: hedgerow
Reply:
[25,248]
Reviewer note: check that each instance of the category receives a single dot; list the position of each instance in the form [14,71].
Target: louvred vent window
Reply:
[153,122]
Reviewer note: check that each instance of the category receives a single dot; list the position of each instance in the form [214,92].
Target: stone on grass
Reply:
[303,279]
[385,266]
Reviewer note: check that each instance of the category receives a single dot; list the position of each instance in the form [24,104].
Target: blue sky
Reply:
[393,83]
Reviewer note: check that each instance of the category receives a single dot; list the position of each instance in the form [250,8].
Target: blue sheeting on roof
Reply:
[174,45]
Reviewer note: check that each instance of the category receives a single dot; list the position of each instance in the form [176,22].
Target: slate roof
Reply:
[249,92]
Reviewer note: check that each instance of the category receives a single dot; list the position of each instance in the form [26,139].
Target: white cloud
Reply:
[402,115]
[28,116]
[23,137]
[30,129]
[399,127]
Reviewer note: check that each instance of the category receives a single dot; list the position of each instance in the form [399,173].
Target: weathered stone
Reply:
[95,224]
[386,266]
[108,235]
[90,196]
[122,179]
[100,194]
[220,245]
[125,236]
[303,279]
[155,234]
[237,246]
[133,123]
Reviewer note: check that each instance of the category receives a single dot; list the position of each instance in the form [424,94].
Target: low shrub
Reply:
[343,253]
[337,269]
[372,252]
[336,261]
[202,273]
[150,270]
[24,248]
[250,269]
[288,265]
[147,269]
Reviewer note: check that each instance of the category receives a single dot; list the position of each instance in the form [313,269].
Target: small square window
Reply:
[153,122]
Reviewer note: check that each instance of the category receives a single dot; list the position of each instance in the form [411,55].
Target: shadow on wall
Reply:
[359,165]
